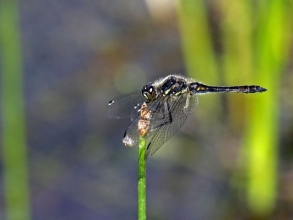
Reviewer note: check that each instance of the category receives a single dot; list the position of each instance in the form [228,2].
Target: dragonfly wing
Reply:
[131,135]
[167,130]
[123,106]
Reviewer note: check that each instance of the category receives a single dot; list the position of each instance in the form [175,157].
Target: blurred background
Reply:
[63,61]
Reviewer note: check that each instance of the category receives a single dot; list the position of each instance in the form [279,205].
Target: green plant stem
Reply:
[14,152]
[142,179]
[197,47]
[272,52]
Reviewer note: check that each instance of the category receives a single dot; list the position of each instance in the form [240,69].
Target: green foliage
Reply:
[197,45]
[271,49]
[14,151]
[255,38]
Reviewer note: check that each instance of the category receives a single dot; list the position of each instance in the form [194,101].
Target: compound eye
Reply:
[149,92]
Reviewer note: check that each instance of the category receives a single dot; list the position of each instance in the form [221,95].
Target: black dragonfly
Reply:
[166,102]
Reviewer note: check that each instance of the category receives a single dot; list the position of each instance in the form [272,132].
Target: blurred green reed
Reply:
[14,152]
[255,42]
[271,53]
[197,45]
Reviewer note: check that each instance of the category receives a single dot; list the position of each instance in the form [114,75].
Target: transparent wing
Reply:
[157,118]
[179,108]
[131,135]
[167,117]
[125,106]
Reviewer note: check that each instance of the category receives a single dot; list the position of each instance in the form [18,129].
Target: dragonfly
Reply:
[160,108]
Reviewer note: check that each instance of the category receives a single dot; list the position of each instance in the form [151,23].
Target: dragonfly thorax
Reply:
[174,86]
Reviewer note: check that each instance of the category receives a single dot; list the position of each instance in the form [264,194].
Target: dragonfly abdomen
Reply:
[199,88]
[242,89]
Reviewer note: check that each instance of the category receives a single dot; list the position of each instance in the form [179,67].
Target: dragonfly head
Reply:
[149,92]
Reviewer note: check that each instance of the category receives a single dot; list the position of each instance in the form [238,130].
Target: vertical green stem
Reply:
[272,54]
[142,179]
[197,48]
[14,156]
